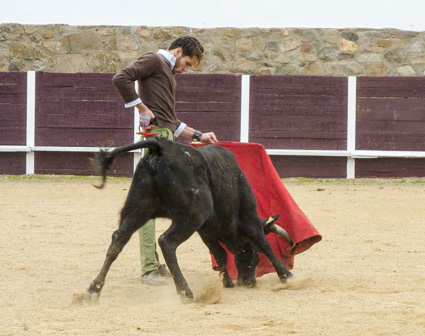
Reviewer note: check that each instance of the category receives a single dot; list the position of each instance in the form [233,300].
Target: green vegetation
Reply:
[357,181]
[60,178]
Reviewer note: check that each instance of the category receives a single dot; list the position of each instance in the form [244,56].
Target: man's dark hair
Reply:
[190,46]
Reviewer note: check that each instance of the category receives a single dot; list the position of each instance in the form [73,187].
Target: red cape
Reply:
[272,198]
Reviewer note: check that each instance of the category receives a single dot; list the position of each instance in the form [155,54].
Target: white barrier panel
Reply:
[245,90]
[351,125]
[30,138]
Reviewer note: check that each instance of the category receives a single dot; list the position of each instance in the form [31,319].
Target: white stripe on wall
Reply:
[245,90]
[30,137]
[351,125]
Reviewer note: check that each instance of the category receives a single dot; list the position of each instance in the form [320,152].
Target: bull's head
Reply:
[247,259]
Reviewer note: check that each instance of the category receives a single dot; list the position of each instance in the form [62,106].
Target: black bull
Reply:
[202,190]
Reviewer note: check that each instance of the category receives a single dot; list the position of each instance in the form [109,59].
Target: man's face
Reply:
[184,63]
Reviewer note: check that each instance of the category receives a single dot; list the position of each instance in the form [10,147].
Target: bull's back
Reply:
[222,164]
[229,185]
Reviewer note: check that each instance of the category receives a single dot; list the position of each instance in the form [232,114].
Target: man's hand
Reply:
[145,116]
[208,138]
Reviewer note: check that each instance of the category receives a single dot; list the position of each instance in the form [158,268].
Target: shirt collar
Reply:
[169,57]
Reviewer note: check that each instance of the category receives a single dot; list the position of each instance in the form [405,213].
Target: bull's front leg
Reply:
[283,273]
[169,241]
[220,256]
[246,261]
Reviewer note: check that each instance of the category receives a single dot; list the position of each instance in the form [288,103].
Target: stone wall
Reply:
[295,51]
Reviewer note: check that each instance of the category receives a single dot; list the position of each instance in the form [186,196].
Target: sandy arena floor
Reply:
[366,277]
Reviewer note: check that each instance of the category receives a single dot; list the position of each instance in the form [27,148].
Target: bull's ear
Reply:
[269,221]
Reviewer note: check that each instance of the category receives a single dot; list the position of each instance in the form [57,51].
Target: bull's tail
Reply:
[103,160]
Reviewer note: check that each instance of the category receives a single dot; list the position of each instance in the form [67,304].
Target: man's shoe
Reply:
[153,278]
[162,269]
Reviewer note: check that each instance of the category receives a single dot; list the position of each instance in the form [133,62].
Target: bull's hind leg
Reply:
[132,218]
[119,239]
[259,238]
[220,256]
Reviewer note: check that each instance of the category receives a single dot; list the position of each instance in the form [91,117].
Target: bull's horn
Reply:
[281,232]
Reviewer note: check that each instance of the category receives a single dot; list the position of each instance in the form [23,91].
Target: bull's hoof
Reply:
[228,284]
[250,283]
[284,278]
[81,299]
[186,296]
[95,287]
[186,299]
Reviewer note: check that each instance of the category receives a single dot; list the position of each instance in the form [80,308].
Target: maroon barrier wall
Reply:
[211,103]
[79,110]
[86,110]
[310,166]
[390,117]
[13,119]
[294,112]
[390,167]
[286,112]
